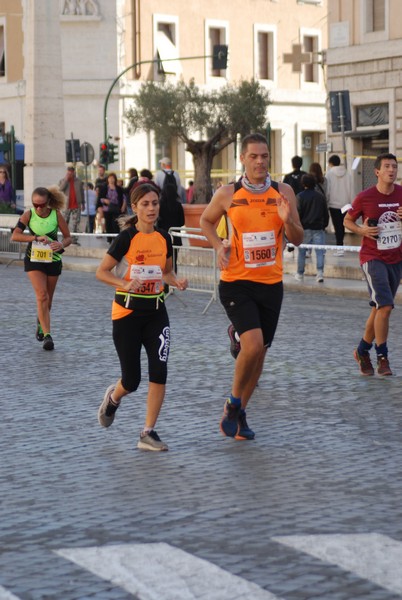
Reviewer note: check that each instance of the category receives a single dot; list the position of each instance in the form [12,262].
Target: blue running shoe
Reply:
[229,422]
[244,432]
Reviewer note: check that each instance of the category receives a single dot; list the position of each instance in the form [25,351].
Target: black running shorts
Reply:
[251,305]
[52,269]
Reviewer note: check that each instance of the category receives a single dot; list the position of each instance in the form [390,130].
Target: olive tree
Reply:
[205,120]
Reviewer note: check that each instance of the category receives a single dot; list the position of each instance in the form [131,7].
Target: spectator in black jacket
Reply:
[171,214]
[294,178]
[314,217]
[132,180]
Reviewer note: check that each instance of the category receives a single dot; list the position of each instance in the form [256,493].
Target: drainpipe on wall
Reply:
[136,29]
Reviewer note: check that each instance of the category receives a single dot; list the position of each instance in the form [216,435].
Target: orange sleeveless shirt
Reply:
[257,237]
[145,249]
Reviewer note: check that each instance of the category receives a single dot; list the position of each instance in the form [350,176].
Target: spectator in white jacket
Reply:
[339,194]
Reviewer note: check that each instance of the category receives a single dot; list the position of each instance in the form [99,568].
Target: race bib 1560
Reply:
[259,249]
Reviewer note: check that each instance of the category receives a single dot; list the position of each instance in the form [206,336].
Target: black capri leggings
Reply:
[150,330]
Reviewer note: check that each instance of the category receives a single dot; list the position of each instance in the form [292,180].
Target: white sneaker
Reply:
[339,253]
[106,411]
[151,441]
[319,278]
[299,277]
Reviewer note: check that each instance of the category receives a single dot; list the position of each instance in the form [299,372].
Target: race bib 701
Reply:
[41,253]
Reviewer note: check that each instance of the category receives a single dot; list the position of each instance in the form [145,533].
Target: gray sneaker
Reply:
[106,410]
[151,441]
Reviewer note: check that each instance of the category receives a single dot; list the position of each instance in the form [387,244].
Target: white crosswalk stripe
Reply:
[371,556]
[5,595]
[158,570]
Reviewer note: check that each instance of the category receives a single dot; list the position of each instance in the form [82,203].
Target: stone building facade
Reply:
[259,34]
[365,59]
[101,38]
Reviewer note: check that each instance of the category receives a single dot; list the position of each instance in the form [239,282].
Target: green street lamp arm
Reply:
[135,65]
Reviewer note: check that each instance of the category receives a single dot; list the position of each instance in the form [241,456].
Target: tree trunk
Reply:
[203,154]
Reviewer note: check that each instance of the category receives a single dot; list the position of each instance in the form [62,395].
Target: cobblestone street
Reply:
[326,460]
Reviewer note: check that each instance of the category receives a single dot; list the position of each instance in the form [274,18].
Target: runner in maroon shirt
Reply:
[380,209]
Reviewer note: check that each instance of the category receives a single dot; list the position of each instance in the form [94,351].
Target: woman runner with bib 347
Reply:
[137,264]
[42,261]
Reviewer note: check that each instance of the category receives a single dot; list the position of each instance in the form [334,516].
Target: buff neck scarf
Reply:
[256,188]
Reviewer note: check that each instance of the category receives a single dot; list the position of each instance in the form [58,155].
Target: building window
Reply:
[374,20]
[216,33]
[164,148]
[264,52]
[216,37]
[2,51]
[311,70]
[168,30]
[166,46]
[372,115]
[375,15]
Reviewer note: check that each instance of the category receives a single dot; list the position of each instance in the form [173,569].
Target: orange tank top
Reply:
[256,243]
[145,257]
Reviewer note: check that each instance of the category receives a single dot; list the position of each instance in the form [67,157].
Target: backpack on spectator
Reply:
[169,180]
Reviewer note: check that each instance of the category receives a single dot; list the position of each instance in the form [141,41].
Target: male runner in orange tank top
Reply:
[260,213]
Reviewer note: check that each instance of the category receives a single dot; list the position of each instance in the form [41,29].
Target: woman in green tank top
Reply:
[42,260]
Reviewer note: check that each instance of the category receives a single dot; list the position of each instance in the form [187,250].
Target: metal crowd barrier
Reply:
[196,263]
[9,247]
[325,247]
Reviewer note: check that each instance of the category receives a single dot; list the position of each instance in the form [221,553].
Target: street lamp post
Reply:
[219,56]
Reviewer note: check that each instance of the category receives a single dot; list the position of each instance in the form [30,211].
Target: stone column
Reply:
[44,105]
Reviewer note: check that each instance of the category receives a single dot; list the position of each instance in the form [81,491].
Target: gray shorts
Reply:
[382,281]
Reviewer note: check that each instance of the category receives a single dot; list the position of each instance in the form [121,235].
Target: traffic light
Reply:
[104,153]
[113,152]
[219,57]
[73,154]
